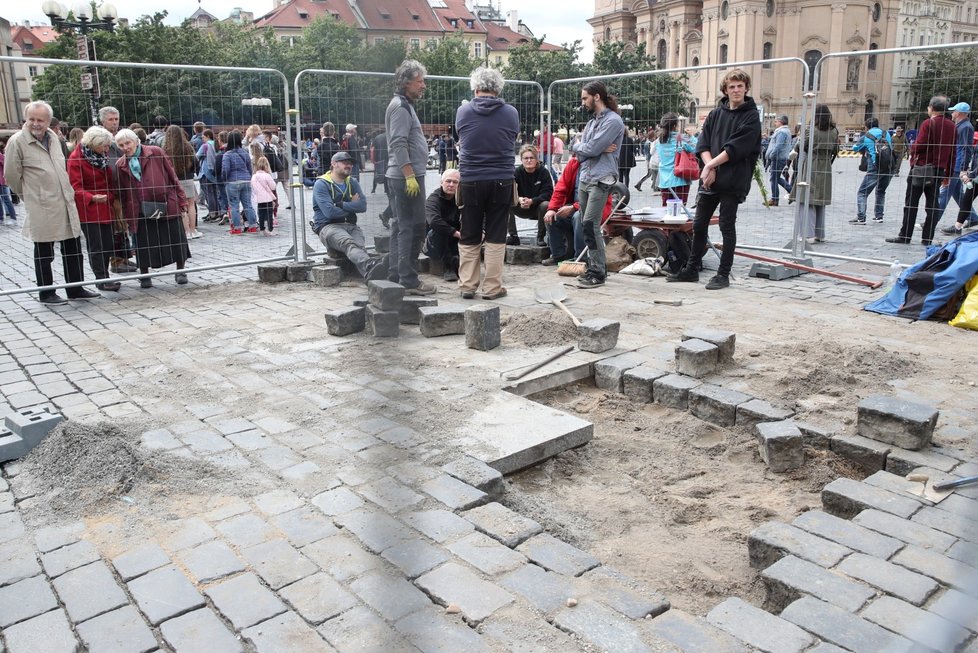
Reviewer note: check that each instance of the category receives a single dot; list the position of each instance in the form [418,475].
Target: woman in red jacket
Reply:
[91,177]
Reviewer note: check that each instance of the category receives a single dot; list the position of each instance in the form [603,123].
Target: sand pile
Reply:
[540,328]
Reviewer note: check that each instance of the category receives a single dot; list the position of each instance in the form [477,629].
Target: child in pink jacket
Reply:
[263,190]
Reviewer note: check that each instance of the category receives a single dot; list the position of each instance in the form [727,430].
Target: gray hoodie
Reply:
[601,131]
[405,140]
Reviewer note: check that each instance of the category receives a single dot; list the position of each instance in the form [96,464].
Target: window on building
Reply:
[877,12]
[660,53]
[769,8]
[27,46]
[379,40]
[662,26]
[811,58]
[767,54]
[469,23]
[724,10]
[607,33]
[499,59]
[696,61]
[32,71]
[431,44]
[453,21]
[723,53]
[415,44]
[871,64]
[477,46]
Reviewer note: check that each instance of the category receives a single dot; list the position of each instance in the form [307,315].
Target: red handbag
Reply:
[685,166]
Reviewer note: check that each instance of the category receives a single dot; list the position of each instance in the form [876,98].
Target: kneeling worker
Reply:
[337,198]
[444,224]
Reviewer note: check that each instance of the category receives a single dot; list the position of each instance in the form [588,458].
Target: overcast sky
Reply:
[560,21]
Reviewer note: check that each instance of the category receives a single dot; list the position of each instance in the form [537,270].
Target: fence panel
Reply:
[777,86]
[225,99]
[360,98]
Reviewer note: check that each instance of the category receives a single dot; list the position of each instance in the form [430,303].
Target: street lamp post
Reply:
[84,23]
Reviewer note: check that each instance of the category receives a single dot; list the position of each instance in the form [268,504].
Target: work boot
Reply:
[493,283]
[513,239]
[717,282]
[687,273]
[468,268]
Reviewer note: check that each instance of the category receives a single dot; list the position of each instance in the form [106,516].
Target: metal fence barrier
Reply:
[224,99]
[360,98]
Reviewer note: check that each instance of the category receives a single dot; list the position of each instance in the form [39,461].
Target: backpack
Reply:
[269,152]
[884,155]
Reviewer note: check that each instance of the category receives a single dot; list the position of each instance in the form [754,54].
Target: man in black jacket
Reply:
[534,186]
[444,224]
[728,148]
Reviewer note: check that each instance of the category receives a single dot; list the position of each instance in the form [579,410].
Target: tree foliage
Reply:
[449,57]
[945,72]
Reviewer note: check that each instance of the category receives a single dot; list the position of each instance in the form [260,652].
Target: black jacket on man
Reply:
[537,185]
[442,214]
[738,132]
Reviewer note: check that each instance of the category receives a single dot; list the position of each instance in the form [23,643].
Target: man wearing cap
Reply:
[963,152]
[337,198]
[778,149]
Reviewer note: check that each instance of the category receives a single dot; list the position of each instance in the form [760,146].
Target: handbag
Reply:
[152,210]
[922,176]
[685,166]
[864,162]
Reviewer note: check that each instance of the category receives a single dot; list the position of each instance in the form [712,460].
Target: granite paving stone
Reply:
[25,599]
[342,557]
[905,530]
[89,591]
[164,593]
[304,526]
[916,624]
[846,533]
[244,601]
[390,495]
[440,525]
[486,554]
[790,578]
[361,630]
[948,522]
[17,562]
[246,530]
[940,567]
[69,557]
[50,538]
[119,631]
[840,627]
[286,632]
[690,633]
[500,523]
[46,633]
[251,440]
[892,579]
[278,563]
[210,561]
[601,627]
[771,541]
[454,493]
[277,501]
[414,557]
[140,560]
[845,497]
[435,632]
[554,555]
[957,607]
[318,597]
[338,501]
[757,628]
[621,593]
[378,531]
[198,629]
[454,584]
[189,532]
[389,594]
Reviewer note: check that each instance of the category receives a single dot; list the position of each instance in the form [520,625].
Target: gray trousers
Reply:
[347,238]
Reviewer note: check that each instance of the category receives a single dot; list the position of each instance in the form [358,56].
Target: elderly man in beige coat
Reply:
[35,170]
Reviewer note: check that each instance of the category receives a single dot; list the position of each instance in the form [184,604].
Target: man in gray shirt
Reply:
[406,166]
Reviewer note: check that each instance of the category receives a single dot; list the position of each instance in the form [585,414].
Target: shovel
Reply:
[555,295]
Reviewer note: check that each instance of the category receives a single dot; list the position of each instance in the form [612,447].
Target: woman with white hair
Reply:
[153,204]
[91,177]
[487,128]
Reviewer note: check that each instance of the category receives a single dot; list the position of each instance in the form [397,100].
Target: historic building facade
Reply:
[687,33]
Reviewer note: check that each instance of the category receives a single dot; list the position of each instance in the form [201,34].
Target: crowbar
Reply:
[807,268]
[536,366]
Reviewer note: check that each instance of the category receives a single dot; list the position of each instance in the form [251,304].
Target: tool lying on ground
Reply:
[536,366]
[927,488]
[806,268]
[668,302]
[556,296]
[577,267]
[950,485]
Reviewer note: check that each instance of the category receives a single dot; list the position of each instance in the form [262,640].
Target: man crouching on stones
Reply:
[337,198]
[444,224]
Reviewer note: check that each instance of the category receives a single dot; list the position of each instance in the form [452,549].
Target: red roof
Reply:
[399,15]
[300,13]
[501,38]
[457,11]
[31,39]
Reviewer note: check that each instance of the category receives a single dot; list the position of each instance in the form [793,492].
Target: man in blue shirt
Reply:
[776,156]
[964,150]
[875,178]
[337,198]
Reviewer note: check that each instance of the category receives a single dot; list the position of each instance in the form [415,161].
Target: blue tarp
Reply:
[927,286]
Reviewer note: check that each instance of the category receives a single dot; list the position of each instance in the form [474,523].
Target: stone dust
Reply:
[540,328]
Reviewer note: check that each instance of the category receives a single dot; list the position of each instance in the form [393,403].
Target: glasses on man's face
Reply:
[529,158]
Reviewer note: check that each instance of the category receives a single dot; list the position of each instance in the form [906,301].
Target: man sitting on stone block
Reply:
[337,198]
[444,224]
[534,186]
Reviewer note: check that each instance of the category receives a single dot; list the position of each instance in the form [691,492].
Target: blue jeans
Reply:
[955,190]
[407,233]
[8,203]
[563,233]
[443,248]
[871,181]
[777,179]
[594,196]
[240,191]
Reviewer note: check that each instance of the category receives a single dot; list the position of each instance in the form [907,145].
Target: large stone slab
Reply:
[510,433]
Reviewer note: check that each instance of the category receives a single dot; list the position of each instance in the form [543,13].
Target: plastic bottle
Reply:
[895,271]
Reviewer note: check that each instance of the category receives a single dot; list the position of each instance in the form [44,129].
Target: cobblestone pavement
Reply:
[367,533]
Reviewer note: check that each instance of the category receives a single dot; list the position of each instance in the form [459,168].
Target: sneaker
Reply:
[878,220]
[52,299]
[252,230]
[181,278]
[122,268]
[858,221]
[513,240]
[899,240]
[235,232]
[589,281]
[82,293]
[146,283]
[421,289]
[638,187]
[468,294]
[549,262]
[378,269]
[384,221]
[953,230]
[109,286]
[717,282]
[926,242]
[450,275]
[685,274]
[541,242]
[495,295]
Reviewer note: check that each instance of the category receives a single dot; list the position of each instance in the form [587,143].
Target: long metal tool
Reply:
[536,366]
[807,268]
